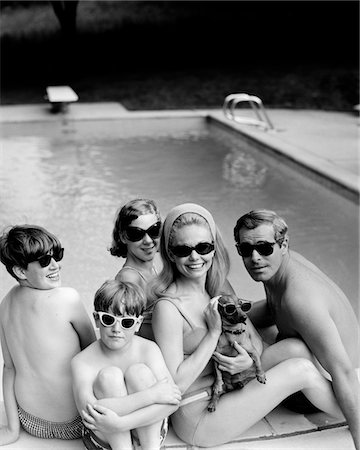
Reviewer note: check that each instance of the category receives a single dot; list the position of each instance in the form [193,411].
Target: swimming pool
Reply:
[71,177]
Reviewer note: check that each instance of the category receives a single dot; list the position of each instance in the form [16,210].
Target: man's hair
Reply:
[258,217]
[120,298]
[127,214]
[23,244]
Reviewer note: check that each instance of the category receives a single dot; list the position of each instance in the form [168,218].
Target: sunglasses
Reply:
[263,248]
[108,320]
[45,260]
[135,234]
[231,309]
[202,248]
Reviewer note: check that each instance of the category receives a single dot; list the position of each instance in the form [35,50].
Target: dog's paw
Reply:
[211,407]
[261,377]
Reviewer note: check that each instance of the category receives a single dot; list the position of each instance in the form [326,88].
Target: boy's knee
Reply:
[139,376]
[109,382]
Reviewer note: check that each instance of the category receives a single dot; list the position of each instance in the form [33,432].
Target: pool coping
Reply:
[323,168]
[327,173]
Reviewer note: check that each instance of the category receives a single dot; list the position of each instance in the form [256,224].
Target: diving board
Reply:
[60,96]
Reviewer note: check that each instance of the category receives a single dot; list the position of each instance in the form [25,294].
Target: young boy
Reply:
[42,326]
[121,382]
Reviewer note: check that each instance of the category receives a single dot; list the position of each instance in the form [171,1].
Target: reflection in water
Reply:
[243,171]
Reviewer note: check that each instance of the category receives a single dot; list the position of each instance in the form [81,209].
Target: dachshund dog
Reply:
[235,328]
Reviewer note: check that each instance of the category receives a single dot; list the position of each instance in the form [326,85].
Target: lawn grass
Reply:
[175,55]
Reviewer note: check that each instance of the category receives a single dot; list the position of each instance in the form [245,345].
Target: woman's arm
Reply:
[9,433]
[168,330]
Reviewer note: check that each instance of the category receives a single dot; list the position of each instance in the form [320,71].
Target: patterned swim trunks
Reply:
[45,429]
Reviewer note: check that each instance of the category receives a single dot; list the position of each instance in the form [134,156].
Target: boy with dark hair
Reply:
[42,326]
[121,382]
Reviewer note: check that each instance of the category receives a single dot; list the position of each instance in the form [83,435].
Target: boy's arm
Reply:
[80,320]
[100,418]
[9,433]
[163,393]
[320,333]
[83,381]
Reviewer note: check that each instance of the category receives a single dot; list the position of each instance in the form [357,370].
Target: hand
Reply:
[212,316]
[100,418]
[234,364]
[166,393]
[7,436]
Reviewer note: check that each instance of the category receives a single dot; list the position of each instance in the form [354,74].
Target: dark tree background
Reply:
[249,39]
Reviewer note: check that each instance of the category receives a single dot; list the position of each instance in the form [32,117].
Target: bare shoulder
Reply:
[8,299]
[307,296]
[67,294]
[86,356]
[129,275]
[149,349]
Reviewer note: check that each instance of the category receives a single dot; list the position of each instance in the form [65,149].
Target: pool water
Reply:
[71,177]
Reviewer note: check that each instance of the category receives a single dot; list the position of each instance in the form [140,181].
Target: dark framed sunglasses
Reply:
[263,248]
[231,309]
[202,248]
[135,234]
[109,320]
[45,260]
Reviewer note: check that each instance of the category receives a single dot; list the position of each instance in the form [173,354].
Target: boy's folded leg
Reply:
[93,442]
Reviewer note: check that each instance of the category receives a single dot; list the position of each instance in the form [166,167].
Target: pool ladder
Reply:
[262,119]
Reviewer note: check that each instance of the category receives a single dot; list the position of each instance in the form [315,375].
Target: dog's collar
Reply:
[234,331]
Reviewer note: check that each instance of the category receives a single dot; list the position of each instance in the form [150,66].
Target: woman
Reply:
[136,237]
[187,326]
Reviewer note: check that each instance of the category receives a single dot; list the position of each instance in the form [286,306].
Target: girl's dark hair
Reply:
[23,244]
[128,213]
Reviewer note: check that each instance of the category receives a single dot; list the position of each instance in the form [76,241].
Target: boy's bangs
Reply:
[41,245]
[131,308]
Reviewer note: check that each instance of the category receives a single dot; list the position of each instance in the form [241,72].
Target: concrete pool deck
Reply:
[324,142]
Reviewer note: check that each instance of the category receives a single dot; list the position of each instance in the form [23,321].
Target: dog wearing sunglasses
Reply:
[235,329]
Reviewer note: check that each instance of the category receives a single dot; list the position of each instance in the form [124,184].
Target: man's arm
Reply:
[9,433]
[260,314]
[318,330]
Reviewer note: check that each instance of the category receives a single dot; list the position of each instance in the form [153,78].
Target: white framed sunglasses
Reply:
[109,320]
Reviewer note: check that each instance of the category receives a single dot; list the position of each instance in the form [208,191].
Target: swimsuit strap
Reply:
[135,270]
[177,303]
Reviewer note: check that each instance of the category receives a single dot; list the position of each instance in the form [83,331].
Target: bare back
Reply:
[41,342]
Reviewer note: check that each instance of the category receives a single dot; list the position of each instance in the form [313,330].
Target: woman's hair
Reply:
[23,244]
[258,217]
[218,271]
[125,215]
[120,298]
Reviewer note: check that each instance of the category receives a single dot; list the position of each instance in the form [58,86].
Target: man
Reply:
[304,303]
